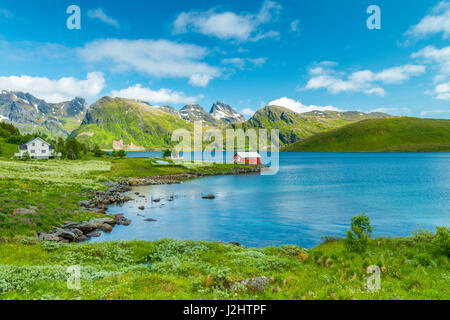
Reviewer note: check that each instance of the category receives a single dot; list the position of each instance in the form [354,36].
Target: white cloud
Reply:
[248,112]
[431,112]
[138,92]
[399,74]
[159,58]
[377,90]
[323,76]
[229,25]
[439,57]
[438,21]
[401,111]
[440,60]
[441,91]
[299,107]
[200,80]
[244,63]
[258,62]
[102,16]
[56,90]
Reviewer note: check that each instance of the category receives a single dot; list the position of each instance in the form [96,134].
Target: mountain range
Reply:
[118,123]
[31,114]
[295,126]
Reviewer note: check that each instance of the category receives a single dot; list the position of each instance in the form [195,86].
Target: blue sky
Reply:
[300,54]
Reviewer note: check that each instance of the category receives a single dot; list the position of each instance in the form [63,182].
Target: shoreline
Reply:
[100,201]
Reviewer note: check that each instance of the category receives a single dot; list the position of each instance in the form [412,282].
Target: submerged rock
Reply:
[119,218]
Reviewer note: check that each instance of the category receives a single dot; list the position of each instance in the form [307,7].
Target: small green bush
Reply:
[97,152]
[422,235]
[358,237]
[167,153]
[26,157]
[441,240]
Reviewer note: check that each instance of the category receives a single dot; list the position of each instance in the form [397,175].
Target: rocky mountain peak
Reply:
[31,114]
[194,112]
[224,113]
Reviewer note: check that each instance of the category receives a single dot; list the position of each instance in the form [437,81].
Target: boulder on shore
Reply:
[95,234]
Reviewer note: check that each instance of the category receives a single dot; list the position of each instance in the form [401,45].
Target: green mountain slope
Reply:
[400,134]
[126,124]
[295,126]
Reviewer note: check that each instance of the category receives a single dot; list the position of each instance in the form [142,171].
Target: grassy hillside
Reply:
[7,150]
[128,124]
[400,134]
[411,268]
[294,126]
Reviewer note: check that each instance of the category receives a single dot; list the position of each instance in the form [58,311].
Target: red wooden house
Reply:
[247,157]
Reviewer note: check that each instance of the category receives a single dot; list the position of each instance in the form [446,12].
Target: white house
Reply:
[37,149]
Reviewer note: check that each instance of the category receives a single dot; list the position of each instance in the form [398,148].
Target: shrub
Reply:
[97,152]
[441,240]
[26,156]
[121,154]
[7,130]
[422,236]
[358,236]
[167,153]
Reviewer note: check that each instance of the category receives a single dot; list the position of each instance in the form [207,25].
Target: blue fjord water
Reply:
[313,195]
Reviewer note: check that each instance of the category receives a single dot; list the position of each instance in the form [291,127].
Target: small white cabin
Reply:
[37,149]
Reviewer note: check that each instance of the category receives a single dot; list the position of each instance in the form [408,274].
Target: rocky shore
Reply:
[101,200]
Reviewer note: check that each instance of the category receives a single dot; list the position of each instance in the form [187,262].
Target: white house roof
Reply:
[248,154]
[35,139]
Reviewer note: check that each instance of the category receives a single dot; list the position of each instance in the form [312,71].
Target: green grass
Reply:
[7,150]
[169,269]
[381,135]
[51,188]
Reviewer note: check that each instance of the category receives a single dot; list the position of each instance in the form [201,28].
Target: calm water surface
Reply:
[313,195]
